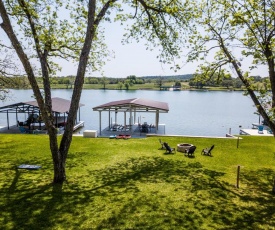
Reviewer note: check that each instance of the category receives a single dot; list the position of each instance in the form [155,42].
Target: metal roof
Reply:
[138,104]
[59,105]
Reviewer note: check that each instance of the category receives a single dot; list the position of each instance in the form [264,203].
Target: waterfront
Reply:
[196,113]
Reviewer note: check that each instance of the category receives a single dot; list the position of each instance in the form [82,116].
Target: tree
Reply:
[46,33]
[71,81]
[4,92]
[227,83]
[159,82]
[9,74]
[178,84]
[236,31]
[104,81]
[132,79]
[237,83]
[120,85]
[197,81]
[128,83]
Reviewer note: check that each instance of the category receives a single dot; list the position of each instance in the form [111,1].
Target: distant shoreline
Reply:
[157,89]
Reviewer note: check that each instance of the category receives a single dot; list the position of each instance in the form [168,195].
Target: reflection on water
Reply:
[190,112]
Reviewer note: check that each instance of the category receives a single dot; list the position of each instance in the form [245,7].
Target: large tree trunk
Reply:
[61,156]
[57,157]
[248,87]
[259,106]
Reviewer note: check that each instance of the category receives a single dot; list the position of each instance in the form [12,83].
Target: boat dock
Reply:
[255,130]
[135,131]
[15,129]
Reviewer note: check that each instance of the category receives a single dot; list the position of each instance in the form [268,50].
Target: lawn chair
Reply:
[207,151]
[190,152]
[260,129]
[162,144]
[24,130]
[168,148]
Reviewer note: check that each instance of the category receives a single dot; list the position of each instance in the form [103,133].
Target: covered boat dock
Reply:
[132,107]
[60,108]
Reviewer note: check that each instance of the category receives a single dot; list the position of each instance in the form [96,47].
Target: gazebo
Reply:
[60,109]
[132,106]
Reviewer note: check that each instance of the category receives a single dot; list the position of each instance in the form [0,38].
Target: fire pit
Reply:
[182,147]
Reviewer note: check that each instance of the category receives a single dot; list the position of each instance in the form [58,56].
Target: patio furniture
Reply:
[207,151]
[183,147]
[144,128]
[168,148]
[190,152]
[260,129]
[24,130]
[162,144]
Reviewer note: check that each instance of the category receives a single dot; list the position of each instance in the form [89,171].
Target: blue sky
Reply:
[134,59]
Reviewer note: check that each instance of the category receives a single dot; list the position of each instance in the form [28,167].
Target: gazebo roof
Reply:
[139,104]
[59,105]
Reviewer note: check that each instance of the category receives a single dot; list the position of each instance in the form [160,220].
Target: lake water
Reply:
[197,113]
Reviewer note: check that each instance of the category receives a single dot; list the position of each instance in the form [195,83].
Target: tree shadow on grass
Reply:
[144,193]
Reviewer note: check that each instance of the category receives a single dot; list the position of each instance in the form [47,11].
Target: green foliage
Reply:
[177,84]
[104,81]
[231,33]
[160,24]
[135,80]
[91,80]
[120,85]
[199,81]
[14,82]
[159,82]
[132,184]
[128,84]
[72,30]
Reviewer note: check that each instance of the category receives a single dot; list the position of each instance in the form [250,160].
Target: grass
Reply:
[132,184]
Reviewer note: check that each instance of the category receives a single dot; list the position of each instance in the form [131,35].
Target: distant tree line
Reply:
[122,83]
[131,79]
[196,81]
[199,82]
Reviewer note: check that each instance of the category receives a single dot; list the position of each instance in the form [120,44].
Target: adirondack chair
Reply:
[207,151]
[168,148]
[190,152]
[162,144]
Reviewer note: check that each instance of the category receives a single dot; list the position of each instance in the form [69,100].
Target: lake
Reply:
[199,113]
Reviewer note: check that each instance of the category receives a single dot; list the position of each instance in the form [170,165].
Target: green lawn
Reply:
[132,184]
